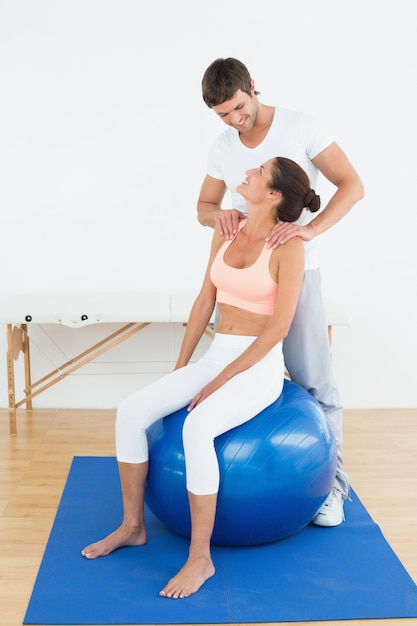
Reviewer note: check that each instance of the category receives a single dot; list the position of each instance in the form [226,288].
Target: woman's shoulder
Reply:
[292,247]
[217,241]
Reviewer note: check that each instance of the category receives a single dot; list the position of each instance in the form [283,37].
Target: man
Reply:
[256,133]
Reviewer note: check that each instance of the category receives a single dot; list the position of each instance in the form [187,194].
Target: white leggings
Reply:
[236,402]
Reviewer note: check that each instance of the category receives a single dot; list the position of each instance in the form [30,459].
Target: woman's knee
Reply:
[189,432]
[196,433]
[127,415]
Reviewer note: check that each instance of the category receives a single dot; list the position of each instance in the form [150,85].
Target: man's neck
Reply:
[258,132]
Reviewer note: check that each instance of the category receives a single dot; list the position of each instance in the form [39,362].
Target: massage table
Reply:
[133,310]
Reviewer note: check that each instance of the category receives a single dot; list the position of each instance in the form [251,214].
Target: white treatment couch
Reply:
[134,311]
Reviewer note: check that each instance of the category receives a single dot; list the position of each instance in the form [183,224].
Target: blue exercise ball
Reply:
[275,471]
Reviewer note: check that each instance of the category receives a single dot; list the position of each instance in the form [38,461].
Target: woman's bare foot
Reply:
[120,538]
[190,578]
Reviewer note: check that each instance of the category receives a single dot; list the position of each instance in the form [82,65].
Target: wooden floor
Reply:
[380,456]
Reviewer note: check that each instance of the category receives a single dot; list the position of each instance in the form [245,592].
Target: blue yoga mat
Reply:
[346,572]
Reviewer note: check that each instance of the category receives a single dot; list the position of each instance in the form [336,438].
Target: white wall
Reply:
[104,138]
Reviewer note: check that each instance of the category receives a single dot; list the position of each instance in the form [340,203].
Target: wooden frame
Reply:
[18,342]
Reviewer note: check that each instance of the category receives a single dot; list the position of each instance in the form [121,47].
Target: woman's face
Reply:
[256,185]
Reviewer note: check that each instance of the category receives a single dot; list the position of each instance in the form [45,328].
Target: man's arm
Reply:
[209,209]
[336,167]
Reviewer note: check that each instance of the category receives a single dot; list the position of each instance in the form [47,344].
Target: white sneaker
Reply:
[331,512]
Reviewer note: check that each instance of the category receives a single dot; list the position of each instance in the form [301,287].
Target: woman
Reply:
[256,289]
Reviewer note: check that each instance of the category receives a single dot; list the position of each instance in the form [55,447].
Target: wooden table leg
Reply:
[10,380]
[26,356]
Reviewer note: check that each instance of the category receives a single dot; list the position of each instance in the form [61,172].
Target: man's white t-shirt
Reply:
[294,135]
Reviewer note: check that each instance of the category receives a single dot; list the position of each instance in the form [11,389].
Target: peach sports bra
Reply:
[250,288]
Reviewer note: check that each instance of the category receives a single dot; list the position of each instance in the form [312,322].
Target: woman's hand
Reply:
[206,391]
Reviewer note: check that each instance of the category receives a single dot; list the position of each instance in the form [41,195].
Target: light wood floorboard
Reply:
[380,453]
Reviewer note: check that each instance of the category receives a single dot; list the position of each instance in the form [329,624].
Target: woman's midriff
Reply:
[235,321]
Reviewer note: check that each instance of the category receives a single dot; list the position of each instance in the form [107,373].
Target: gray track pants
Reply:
[307,359]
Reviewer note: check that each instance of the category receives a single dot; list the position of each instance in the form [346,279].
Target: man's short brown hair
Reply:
[222,79]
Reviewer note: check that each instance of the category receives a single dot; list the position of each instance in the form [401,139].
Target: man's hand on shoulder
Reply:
[227,222]
[281,233]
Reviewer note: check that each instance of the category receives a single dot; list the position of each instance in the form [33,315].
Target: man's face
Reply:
[239,112]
